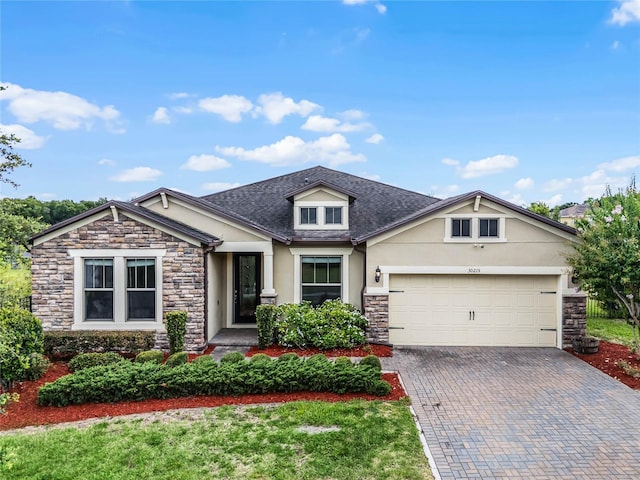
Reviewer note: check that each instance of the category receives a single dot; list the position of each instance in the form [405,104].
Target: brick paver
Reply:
[515,413]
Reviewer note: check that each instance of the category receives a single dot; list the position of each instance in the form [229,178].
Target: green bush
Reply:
[126,381]
[68,344]
[289,357]
[176,329]
[345,360]
[21,345]
[331,325]
[232,357]
[373,361]
[150,356]
[38,366]
[265,321]
[260,357]
[204,359]
[178,358]
[87,360]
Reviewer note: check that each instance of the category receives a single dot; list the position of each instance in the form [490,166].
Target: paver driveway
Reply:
[535,413]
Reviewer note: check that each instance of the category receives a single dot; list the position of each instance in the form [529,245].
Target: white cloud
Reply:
[178,95]
[318,123]
[627,12]
[382,9]
[524,183]
[352,115]
[450,161]
[621,164]
[229,107]
[62,110]
[205,163]
[184,110]
[137,174]
[161,115]
[555,200]
[379,7]
[218,186]
[615,45]
[445,191]
[332,150]
[557,184]
[275,106]
[107,162]
[376,138]
[28,138]
[514,198]
[487,166]
[45,196]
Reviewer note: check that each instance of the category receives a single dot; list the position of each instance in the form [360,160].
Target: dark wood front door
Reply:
[246,286]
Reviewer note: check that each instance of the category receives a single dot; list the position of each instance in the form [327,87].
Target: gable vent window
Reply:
[461,227]
[489,227]
[333,215]
[308,216]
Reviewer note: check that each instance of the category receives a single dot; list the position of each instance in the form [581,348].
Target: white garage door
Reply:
[497,310]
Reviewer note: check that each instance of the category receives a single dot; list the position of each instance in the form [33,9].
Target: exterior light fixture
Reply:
[378,274]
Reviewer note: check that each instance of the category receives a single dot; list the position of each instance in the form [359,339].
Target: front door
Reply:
[246,288]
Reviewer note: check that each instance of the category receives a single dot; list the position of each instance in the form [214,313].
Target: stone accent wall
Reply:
[376,309]
[574,318]
[183,285]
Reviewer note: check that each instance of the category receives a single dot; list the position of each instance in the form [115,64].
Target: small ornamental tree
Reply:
[607,259]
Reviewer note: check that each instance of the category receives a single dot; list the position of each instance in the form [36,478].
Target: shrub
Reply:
[260,357]
[373,361]
[265,320]
[344,360]
[176,329]
[21,336]
[289,357]
[38,366]
[6,399]
[178,358]
[232,357]
[86,360]
[204,359]
[331,325]
[127,381]
[150,356]
[68,344]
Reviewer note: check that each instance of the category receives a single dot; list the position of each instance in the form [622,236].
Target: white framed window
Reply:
[320,273]
[308,216]
[333,215]
[117,289]
[488,228]
[321,278]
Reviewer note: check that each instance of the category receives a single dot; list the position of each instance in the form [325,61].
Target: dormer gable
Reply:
[320,207]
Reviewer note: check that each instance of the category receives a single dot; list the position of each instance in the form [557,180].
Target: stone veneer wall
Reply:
[376,309]
[182,269]
[574,318]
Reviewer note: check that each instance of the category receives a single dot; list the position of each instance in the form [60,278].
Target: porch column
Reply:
[268,274]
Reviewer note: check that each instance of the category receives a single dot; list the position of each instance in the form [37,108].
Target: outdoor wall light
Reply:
[378,274]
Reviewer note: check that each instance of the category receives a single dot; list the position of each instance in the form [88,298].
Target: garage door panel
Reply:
[472,310]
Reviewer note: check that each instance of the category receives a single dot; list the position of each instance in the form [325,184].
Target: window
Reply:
[141,289]
[321,278]
[308,216]
[489,227]
[461,227]
[333,215]
[98,289]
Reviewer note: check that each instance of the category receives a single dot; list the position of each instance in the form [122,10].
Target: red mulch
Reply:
[607,359]
[363,351]
[26,412]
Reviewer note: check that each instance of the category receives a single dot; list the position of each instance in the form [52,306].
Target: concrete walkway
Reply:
[512,413]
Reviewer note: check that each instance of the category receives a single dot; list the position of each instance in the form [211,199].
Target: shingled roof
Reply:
[266,203]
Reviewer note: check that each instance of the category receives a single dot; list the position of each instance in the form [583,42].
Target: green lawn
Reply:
[363,440]
[611,330]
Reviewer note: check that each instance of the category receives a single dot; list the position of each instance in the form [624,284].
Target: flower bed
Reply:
[361,351]
[607,360]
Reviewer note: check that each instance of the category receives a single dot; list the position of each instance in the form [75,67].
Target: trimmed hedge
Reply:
[176,323]
[126,381]
[150,356]
[87,360]
[69,343]
[178,358]
[266,316]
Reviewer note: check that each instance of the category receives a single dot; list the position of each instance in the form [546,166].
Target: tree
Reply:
[540,208]
[9,160]
[607,259]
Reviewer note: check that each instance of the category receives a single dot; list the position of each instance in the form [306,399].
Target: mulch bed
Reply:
[362,351]
[26,412]
[607,358]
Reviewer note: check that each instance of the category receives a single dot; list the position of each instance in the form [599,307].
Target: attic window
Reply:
[460,227]
[308,216]
[489,227]
[333,215]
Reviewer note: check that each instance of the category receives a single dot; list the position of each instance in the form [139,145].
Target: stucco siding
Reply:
[321,196]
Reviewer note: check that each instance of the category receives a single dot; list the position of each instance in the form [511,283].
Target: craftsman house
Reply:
[468,270]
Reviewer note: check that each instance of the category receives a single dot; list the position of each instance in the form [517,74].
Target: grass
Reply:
[611,330]
[367,440]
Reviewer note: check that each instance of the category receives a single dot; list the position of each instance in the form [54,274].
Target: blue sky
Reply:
[531,101]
